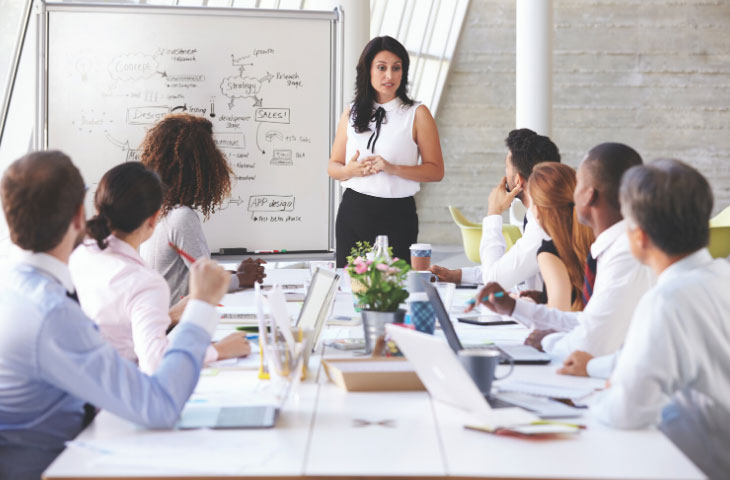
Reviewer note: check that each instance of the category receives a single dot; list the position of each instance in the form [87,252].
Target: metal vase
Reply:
[373,324]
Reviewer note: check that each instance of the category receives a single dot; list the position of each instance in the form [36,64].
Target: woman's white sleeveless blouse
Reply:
[395,144]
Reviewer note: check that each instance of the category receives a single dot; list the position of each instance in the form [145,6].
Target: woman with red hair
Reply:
[561,259]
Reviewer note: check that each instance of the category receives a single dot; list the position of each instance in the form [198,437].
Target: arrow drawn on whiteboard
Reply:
[238,62]
[163,74]
[124,146]
[184,108]
[257,140]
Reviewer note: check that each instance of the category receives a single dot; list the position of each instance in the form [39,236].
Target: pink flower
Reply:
[358,261]
[382,267]
[393,270]
[360,268]
[395,259]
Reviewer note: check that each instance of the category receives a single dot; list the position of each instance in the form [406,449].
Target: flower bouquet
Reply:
[383,291]
[383,282]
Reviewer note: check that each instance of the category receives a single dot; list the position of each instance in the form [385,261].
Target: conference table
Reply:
[324,431]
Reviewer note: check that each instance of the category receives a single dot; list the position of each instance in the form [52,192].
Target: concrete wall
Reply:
[654,74]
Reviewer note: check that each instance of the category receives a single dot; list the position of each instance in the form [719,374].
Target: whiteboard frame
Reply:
[335,18]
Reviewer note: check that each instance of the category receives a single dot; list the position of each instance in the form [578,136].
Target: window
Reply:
[429,29]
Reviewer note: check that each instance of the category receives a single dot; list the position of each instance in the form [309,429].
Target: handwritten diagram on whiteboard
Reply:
[263,82]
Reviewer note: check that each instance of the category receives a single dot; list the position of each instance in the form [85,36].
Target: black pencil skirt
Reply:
[363,217]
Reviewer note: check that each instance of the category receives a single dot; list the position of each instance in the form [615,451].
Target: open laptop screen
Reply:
[314,301]
[443,317]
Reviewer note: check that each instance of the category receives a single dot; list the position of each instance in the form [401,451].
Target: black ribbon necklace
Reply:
[378,118]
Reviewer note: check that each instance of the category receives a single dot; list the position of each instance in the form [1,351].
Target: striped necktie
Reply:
[589,278]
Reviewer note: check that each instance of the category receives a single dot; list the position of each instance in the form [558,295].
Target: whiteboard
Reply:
[267,80]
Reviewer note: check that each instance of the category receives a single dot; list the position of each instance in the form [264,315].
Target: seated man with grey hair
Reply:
[674,368]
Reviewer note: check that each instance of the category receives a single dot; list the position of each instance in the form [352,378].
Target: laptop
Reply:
[253,416]
[222,417]
[318,303]
[447,380]
[518,354]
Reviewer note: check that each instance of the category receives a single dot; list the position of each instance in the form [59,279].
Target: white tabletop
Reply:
[320,433]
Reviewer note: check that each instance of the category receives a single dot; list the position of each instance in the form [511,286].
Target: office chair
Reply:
[719,245]
[471,234]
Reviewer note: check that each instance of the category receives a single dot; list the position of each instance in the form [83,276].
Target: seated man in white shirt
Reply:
[54,364]
[615,280]
[674,368]
[525,149]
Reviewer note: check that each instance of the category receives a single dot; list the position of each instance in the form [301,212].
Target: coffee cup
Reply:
[423,316]
[420,256]
[415,279]
[481,364]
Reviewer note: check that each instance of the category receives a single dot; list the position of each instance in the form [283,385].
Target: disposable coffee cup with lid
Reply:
[421,250]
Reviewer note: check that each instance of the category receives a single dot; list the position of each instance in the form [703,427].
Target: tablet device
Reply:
[486,320]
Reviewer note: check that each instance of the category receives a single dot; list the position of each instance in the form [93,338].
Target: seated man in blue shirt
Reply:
[55,368]
[674,368]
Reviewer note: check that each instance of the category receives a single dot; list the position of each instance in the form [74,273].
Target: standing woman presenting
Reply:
[376,153]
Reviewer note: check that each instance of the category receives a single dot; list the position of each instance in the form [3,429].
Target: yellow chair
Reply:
[511,234]
[471,234]
[720,234]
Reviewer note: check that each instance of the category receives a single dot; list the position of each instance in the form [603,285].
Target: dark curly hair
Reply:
[362,109]
[528,149]
[180,148]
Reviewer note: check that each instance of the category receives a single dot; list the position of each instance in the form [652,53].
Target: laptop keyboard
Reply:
[498,403]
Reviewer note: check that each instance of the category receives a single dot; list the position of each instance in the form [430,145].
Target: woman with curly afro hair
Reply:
[181,149]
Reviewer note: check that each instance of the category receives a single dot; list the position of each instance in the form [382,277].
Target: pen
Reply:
[269,251]
[182,252]
[252,337]
[550,422]
[472,301]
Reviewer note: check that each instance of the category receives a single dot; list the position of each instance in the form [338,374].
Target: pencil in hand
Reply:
[182,252]
[472,301]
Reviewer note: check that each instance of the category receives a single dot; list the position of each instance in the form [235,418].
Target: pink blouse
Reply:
[127,299]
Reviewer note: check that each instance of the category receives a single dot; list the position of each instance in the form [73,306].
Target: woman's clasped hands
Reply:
[363,167]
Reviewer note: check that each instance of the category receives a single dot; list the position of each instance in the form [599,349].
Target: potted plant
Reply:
[383,291]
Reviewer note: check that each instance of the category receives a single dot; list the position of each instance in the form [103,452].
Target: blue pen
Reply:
[252,337]
[472,301]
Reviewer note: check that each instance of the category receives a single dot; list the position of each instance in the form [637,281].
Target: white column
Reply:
[357,35]
[534,65]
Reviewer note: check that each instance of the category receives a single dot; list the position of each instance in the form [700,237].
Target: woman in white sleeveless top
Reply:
[376,153]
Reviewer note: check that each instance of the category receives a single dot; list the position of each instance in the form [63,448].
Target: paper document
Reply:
[250,362]
[545,390]
[153,453]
